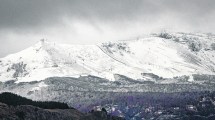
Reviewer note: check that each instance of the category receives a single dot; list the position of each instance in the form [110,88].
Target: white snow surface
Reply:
[163,57]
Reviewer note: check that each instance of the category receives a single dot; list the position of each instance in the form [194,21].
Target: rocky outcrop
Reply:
[28,112]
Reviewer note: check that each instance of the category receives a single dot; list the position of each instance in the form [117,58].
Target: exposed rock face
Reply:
[28,112]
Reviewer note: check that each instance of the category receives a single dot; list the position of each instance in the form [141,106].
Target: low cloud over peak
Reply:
[92,21]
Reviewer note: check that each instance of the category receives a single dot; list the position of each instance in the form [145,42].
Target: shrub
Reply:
[213,46]
[165,35]
[195,46]
[21,115]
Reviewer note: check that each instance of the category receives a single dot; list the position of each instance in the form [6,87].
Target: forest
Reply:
[15,100]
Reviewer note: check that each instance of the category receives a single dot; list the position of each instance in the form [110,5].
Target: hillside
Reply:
[20,108]
[165,55]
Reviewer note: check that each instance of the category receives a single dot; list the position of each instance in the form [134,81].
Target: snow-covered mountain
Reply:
[165,54]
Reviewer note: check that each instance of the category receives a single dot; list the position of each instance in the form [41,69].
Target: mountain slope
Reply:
[165,54]
[49,59]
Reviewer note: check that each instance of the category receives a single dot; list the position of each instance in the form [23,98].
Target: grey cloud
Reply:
[36,13]
[23,22]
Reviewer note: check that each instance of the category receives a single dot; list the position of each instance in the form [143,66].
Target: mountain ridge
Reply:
[164,54]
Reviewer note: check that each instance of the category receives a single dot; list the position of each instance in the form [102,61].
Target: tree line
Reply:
[15,100]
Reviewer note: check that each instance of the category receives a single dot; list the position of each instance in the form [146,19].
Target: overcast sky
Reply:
[24,22]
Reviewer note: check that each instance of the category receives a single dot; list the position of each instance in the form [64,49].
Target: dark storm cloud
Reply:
[37,13]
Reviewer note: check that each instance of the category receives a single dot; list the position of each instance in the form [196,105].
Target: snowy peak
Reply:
[166,55]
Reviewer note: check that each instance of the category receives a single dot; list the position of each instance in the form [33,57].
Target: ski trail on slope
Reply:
[136,68]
